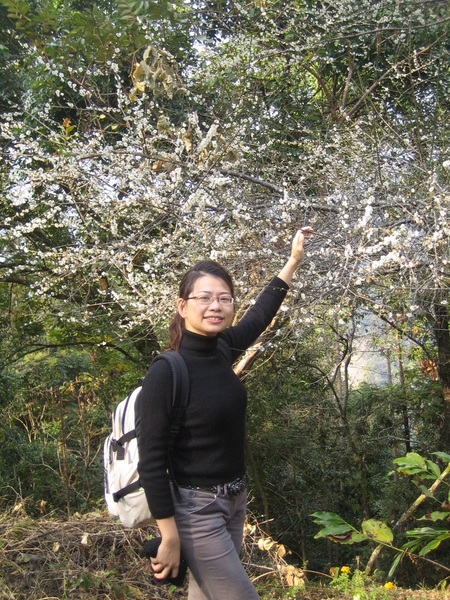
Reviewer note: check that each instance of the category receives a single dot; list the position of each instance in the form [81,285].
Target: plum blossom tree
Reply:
[125,160]
[292,114]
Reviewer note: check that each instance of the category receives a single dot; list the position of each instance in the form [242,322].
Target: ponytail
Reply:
[176,331]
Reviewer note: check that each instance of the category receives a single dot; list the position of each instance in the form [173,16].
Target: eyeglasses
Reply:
[205,299]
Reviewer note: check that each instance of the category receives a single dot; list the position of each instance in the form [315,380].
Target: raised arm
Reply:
[296,257]
[260,314]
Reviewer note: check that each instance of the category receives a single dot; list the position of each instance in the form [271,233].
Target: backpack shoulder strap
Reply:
[180,377]
[180,400]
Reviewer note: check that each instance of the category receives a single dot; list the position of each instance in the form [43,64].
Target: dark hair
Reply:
[202,268]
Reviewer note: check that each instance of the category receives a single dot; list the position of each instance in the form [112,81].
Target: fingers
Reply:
[302,235]
[161,571]
[306,230]
[165,574]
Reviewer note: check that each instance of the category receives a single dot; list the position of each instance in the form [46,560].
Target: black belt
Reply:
[233,489]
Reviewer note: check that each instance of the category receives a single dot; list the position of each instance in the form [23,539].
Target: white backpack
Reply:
[125,498]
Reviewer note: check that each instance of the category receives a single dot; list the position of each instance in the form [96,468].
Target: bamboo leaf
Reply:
[395,565]
[430,546]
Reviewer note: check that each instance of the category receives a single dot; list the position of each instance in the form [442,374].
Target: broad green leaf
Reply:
[334,530]
[354,538]
[414,464]
[333,526]
[433,468]
[344,537]
[423,475]
[378,531]
[408,470]
[442,455]
[412,461]
[328,517]
[435,516]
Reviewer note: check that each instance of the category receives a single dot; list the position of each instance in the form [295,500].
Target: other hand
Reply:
[167,560]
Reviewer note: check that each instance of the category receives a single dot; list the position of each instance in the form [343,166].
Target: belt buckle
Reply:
[232,489]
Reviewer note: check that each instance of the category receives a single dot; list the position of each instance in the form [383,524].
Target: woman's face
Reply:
[207,319]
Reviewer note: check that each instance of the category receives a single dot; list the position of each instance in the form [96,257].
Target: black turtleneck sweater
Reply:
[209,449]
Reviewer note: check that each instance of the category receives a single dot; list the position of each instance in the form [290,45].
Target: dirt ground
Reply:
[91,558]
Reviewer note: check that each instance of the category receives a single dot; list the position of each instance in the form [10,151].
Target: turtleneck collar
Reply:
[198,344]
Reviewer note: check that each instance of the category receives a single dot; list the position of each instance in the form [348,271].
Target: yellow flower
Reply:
[345,569]
[389,585]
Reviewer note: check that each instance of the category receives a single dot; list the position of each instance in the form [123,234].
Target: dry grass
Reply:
[91,557]
[86,557]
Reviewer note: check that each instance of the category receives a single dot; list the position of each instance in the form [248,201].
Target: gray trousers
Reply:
[210,529]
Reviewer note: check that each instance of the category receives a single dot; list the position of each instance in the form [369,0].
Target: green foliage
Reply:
[337,530]
[302,459]
[421,540]
[54,421]
[419,467]
[356,584]
[425,538]
[129,10]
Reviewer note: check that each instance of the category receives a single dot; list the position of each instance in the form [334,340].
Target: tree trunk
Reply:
[65,468]
[442,334]
[406,428]
[240,369]
[393,442]
[445,432]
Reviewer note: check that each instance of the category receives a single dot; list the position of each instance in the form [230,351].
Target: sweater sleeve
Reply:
[257,318]
[153,411]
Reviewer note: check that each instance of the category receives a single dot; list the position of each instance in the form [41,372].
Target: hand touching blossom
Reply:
[297,254]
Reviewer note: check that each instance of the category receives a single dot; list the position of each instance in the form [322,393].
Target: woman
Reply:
[208,456]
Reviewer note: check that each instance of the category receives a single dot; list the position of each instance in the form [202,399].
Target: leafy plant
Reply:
[422,539]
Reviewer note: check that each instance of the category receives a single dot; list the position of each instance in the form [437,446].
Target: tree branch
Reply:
[16,356]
